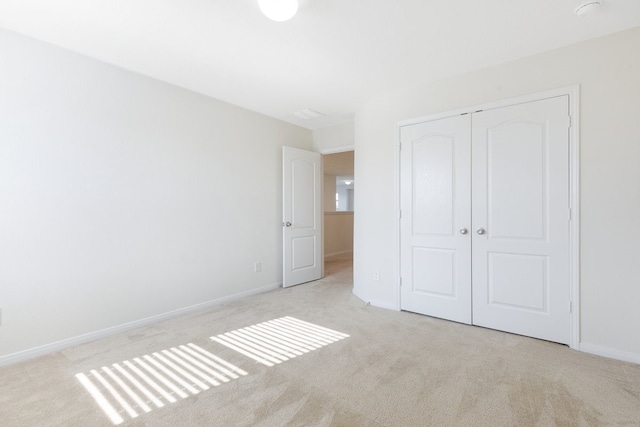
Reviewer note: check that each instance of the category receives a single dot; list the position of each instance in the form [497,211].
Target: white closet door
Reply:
[520,219]
[436,218]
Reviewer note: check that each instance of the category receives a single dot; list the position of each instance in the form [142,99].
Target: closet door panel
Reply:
[521,232]
[435,204]
[516,181]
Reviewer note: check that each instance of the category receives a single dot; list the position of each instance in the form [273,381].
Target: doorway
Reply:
[338,198]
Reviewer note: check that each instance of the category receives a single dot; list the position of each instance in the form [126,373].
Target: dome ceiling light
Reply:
[279,10]
[588,7]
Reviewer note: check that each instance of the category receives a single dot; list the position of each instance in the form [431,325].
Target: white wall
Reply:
[608,71]
[122,197]
[334,138]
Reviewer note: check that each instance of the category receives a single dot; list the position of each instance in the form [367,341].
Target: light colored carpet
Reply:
[394,369]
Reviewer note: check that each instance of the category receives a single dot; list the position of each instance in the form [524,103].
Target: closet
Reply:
[484,227]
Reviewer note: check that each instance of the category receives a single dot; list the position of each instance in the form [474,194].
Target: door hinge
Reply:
[401,282]
[569,214]
[570,306]
[568,121]
[400,214]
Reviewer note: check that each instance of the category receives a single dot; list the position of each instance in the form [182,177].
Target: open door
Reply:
[301,216]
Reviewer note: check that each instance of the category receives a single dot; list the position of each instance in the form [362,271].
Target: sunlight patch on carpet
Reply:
[278,340]
[140,385]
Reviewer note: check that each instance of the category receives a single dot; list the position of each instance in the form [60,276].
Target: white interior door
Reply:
[301,216]
[436,218]
[521,219]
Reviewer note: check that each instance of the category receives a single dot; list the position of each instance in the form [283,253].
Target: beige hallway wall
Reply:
[338,232]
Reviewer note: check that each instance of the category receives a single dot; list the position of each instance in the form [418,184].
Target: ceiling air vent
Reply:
[308,114]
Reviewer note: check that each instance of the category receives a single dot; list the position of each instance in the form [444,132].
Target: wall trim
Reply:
[376,303]
[340,149]
[574,191]
[32,353]
[611,353]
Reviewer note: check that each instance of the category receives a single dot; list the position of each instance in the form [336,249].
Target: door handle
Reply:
[286,224]
[463,231]
[480,231]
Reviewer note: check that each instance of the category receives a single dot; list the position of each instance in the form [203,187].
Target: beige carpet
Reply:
[394,369]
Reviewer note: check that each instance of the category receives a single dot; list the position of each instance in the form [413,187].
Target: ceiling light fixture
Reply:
[279,10]
[587,7]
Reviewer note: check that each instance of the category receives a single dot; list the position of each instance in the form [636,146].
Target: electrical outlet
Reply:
[257,267]
[376,275]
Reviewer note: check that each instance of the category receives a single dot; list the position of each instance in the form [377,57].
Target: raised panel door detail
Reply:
[516,180]
[303,252]
[433,185]
[303,178]
[434,272]
[518,281]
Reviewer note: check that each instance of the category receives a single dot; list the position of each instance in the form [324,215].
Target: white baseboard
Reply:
[375,303]
[611,353]
[92,336]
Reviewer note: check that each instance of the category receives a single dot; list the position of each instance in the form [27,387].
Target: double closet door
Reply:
[484,228]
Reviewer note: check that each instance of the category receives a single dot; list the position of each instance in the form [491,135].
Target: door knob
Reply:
[480,231]
[287,224]
[463,231]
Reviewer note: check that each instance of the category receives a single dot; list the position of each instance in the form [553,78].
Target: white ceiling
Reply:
[331,57]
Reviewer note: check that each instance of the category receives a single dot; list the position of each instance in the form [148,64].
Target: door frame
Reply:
[333,150]
[574,189]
